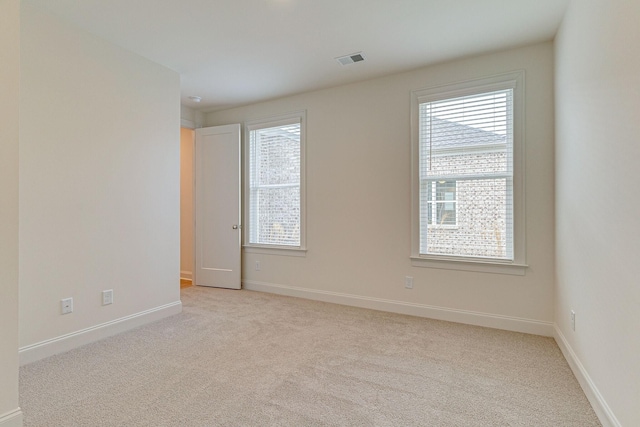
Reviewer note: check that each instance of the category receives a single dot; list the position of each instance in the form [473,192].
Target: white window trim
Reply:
[274,250]
[518,266]
[267,122]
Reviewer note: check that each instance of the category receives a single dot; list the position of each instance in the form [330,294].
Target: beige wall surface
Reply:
[359,194]
[99,180]
[9,142]
[190,118]
[186,202]
[598,236]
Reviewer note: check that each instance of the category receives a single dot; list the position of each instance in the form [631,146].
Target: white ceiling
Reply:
[234,52]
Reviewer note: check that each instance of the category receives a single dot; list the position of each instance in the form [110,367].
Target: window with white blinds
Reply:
[275,153]
[465,173]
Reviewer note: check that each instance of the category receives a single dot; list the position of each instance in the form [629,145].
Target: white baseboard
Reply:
[11,419]
[186,275]
[528,326]
[34,352]
[602,410]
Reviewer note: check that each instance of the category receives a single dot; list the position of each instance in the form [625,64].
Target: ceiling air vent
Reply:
[350,59]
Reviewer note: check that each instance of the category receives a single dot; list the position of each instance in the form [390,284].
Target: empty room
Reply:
[350,213]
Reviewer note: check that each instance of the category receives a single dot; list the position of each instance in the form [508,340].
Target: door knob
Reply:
[235,227]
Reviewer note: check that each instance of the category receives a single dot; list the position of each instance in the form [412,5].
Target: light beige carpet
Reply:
[241,358]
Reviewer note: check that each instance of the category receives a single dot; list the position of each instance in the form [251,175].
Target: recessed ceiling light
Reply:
[195,98]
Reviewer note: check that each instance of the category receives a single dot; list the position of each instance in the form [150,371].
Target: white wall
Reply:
[598,236]
[99,186]
[359,200]
[190,118]
[9,142]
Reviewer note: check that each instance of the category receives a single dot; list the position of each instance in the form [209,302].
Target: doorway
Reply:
[187,144]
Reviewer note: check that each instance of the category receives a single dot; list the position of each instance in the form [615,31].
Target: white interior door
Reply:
[217,200]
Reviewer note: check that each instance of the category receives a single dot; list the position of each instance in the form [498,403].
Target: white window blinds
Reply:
[274,185]
[466,175]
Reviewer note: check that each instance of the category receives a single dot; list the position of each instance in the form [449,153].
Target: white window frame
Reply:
[515,81]
[264,123]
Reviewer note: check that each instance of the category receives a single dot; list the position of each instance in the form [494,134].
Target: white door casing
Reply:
[217,200]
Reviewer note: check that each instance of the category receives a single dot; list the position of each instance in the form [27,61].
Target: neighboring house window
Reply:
[441,203]
[465,148]
[275,182]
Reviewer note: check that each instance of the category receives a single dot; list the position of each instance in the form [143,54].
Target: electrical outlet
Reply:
[67,305]
[107,297]
[408,282]
[573,320]
[258,266]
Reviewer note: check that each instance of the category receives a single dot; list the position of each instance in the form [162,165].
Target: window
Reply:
[466,154]
[275,182]
[441,203]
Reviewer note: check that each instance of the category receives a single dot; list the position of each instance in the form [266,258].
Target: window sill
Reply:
[465,264]
[275,250]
